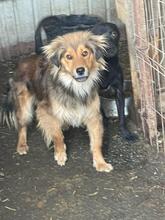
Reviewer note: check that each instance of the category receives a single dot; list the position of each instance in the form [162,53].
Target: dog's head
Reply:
[112,33]
[78,56]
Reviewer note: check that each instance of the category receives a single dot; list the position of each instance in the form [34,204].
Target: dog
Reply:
[62,85]
[112,76]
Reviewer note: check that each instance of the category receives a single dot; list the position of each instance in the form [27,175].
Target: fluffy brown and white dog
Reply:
[62,85]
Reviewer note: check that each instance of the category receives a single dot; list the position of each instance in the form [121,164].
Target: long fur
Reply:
[112,76]
[62,85]
[7,110]
[66,83]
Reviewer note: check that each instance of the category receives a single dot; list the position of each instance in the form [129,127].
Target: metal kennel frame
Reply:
[149,41]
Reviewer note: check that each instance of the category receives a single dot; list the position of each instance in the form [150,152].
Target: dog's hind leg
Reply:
[95,129]
[52,131]
[17,109]
[24,112]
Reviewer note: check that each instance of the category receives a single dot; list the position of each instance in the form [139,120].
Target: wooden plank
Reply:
[78,7]
[121,10]
[98,7]
[8,34]
[24,24]
[3,33]
[24,19]
[60,7]
[41,9]
[147,93]
[111,14]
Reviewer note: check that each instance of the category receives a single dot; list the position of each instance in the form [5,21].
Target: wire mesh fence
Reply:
[149,34]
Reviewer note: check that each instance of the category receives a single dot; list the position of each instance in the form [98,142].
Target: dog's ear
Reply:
[54,51]
[55,59]
[98,44]
[98,53]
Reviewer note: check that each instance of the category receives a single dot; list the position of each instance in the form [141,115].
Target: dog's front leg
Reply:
[95,129]
[22,147]
[51,128]
[59,148]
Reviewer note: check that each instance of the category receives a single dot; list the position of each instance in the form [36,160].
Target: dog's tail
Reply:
[7,109]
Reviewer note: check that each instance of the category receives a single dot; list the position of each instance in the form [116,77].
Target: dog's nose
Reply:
[80,70]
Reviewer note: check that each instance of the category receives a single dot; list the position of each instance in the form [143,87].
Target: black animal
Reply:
[113,75]
[56,25]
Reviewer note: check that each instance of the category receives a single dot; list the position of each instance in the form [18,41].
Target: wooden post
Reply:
[133,15]
[148,115]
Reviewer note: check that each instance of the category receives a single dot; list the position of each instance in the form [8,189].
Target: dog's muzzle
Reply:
[80,74]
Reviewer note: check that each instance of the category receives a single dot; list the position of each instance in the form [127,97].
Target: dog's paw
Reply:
[128,136]
[61,158]
[22,149]
[103,167]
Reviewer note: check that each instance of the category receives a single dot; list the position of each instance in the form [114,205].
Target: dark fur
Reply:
[62,96]
[113,76]
[62,24]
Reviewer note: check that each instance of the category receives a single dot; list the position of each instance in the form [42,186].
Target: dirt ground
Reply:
[33,187]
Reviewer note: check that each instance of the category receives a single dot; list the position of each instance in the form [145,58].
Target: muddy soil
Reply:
[33,187]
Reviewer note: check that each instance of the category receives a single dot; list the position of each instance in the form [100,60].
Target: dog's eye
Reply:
[114,34]
[84,53]
[69,57]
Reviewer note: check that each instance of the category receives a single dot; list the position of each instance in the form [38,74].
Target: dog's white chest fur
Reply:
[74,116]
